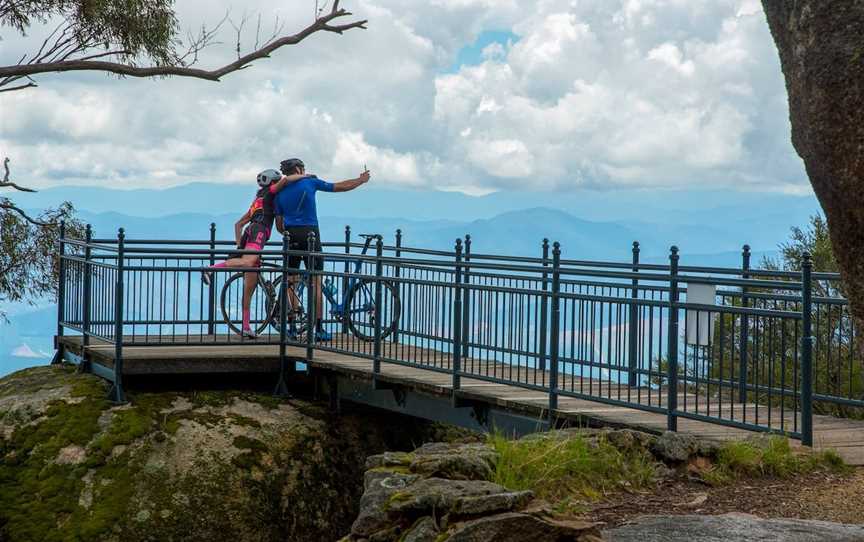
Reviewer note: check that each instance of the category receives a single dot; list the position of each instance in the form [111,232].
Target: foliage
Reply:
[815,240]
[29,269]
[772,457]
[140,27]
[558,468]
[773,343]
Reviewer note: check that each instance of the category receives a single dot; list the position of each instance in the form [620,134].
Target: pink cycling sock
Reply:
[245,318]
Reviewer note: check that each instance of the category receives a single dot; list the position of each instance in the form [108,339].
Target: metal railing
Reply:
[741,347]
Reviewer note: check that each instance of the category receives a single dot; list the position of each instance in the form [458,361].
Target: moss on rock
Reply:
[177,466]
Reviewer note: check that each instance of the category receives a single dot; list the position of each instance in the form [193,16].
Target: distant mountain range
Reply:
[708,227]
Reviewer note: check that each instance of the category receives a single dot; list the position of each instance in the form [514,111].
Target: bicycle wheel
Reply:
[298,324]
[361,309]
[261,306]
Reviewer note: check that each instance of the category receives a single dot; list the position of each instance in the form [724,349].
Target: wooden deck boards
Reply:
[216,355]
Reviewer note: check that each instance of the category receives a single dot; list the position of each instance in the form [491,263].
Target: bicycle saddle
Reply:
[370,236]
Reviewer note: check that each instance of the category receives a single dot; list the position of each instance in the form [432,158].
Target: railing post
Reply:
[211,294]
[397,272]
[282,386]
[117,390]
[345,276]
[457,320]
[311,297]
[744,337]
[633,324]
[466,298]
[555,328]
[806,352]
[85,316]
[672,346]
[376,348]
[544,307]
[61,295]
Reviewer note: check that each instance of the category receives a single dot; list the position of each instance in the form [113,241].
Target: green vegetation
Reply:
[773,344]
[557,468]
[768,457]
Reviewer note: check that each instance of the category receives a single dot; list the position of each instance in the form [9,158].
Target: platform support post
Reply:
[284,369]
[116,392]
[61,296]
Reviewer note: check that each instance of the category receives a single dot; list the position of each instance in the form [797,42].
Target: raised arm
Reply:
[351,184]
[286,180]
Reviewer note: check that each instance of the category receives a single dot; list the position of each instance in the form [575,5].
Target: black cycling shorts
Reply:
[255,234]
[299,240]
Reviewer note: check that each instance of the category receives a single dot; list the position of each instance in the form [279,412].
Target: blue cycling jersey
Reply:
[296,202]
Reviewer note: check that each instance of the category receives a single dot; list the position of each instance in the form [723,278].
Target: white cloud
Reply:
[592,93]
[24,351]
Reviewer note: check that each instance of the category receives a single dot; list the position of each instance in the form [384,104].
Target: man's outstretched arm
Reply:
[351,184]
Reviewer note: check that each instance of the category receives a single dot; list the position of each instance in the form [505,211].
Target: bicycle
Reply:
[356,309]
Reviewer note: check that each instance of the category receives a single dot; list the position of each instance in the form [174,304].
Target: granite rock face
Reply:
[208,465]
[738,527]
[442,492]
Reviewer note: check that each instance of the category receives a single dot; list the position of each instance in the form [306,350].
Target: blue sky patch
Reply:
[472,55]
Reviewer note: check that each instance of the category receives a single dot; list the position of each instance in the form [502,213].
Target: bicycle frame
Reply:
[339,308]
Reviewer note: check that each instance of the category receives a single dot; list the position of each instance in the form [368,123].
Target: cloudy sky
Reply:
[470,95]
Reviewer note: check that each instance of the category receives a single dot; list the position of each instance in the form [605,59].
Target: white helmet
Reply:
[268,177]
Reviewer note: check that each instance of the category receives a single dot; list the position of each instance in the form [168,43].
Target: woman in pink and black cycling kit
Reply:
[258,221]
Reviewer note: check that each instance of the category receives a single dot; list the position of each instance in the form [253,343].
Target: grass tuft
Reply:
[771,457]
[557,468]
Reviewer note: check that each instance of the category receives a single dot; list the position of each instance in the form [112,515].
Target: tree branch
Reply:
[7,183]
[64,65]
[6,204]
[19,87]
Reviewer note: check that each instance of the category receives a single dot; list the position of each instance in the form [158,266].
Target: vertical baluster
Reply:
[672,345]
[554,329]
[311,295]
[457,319]
[633,325]
[745,329]
[397,272]
[806,352]
[117,390]
[61,294]
[211,290]
[379,272]
[281,385]
[544,307]
[345,281]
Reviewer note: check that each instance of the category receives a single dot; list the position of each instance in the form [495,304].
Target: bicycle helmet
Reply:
[268,177]
[289,166]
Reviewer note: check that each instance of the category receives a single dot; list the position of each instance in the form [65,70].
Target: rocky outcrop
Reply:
[208,466]
[442,492]
[738,527]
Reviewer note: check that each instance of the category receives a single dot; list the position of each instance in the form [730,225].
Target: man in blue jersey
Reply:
[296,215]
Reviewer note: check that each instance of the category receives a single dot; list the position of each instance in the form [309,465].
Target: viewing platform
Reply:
[480,340]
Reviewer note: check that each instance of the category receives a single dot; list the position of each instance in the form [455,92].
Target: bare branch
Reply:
[7,183]
[6,204]
[321,24]
[19,87]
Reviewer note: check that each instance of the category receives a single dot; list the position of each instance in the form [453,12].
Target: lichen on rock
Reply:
[216,465]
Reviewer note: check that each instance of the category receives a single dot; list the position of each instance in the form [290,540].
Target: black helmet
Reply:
[288,166]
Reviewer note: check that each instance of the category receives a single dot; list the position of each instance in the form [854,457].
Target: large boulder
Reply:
[209,466]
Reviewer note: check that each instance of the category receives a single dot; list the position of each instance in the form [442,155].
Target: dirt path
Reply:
[820,496]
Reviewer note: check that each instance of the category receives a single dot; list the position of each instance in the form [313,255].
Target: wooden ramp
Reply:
[215,355]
